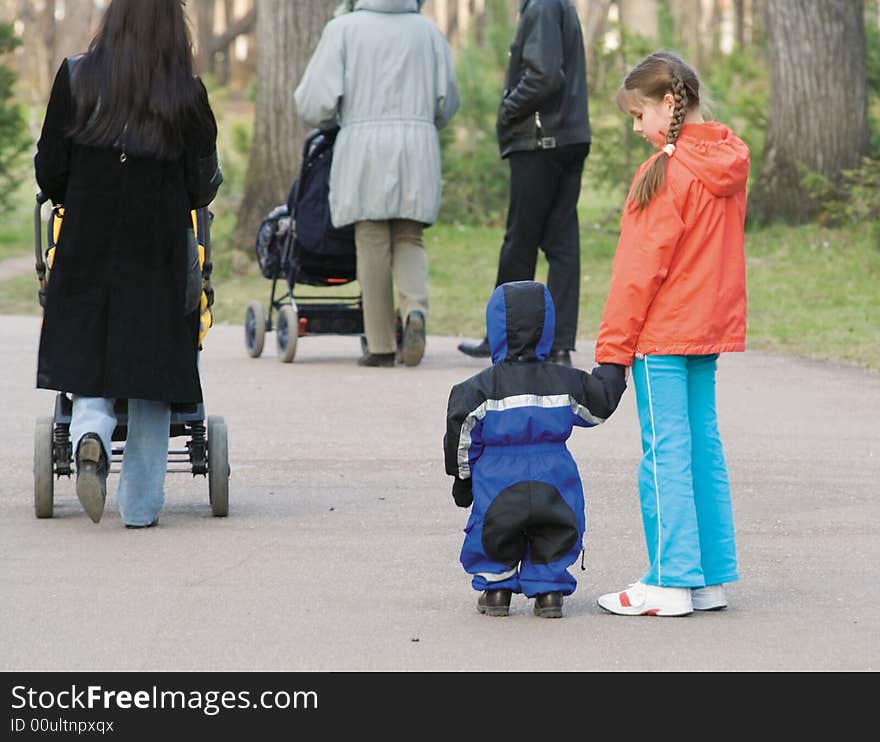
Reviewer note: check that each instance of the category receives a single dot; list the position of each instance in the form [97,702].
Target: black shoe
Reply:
[562,357]
[91,475]
[476,350]
[548,605]
[376,359]
[412,347]
[145,525]
[494,602]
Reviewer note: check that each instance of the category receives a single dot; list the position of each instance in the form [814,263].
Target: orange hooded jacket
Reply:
[678,282]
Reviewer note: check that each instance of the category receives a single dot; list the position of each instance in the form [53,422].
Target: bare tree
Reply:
[204,32]
[640,16]
[818,102]
[76,29]
[594,20]
[287,34]
[213,40]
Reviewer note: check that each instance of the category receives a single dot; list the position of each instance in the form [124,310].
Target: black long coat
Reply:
[114,323]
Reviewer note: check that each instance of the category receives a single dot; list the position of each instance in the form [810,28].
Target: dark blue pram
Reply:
[297,241]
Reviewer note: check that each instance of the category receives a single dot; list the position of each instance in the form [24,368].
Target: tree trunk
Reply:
[204,32]
[739,11]
[640,16]
[818,102]
[693,24]
[77,29]
[594,22]
[287,34]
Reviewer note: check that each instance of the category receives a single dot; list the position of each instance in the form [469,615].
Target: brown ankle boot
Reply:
[494,602]
[91,475]
[548,605]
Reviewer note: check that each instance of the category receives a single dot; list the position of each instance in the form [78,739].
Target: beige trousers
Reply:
[390,253]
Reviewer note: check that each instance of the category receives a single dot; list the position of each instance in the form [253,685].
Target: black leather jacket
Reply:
[545,98]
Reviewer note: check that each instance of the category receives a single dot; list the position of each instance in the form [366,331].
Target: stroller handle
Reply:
[205,217]
[40,265]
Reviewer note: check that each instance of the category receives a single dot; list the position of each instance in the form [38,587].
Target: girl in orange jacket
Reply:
[678,299]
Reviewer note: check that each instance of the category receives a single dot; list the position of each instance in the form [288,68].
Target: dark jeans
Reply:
[545,185]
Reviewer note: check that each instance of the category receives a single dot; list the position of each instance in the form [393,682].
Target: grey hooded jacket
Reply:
[384,74]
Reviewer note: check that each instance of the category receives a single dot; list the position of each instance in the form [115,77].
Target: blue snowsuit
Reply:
[505,444]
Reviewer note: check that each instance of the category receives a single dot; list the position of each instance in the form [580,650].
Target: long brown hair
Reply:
[651,79]
[135,86]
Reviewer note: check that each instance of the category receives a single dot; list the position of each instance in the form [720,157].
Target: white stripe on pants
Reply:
[683,482]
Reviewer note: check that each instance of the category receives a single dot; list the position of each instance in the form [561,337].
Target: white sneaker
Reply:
[640,599]
[709,598]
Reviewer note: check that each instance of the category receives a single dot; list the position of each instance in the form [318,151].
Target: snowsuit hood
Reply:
[715,155]
[520,322]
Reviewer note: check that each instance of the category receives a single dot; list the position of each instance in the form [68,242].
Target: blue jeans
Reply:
[141,492]
[683,484]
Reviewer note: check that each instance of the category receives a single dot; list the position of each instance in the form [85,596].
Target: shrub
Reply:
[475,178]
[13,129]
[854,199]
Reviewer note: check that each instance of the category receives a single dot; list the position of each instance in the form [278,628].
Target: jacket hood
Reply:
[390,6]
[715,155]
[520,322]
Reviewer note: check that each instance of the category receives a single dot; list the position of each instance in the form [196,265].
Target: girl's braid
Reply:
[679,93]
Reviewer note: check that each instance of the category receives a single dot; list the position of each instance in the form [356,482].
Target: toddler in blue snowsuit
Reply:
[505,444]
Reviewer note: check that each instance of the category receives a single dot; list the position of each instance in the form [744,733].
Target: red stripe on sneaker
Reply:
[624,599]
[651,612]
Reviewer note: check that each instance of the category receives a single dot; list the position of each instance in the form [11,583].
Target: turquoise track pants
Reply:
[683,483]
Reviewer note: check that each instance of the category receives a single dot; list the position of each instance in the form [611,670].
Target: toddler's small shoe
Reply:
[91,475]
[494,602]
[640,599]
[548,605]
[709,598]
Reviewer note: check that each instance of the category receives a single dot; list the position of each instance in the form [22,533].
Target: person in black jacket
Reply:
[505,446]
[128,146]
[544,132]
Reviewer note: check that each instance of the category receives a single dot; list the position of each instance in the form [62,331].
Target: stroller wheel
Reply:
[254,329]
[287,333]
[218,466]
[43,468]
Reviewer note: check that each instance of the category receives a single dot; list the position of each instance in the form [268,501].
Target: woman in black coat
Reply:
[128,146]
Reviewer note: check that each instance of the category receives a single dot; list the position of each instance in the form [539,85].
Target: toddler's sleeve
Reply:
[600,393]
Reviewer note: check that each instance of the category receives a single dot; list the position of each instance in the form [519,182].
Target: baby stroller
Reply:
[205,450]
[297,241]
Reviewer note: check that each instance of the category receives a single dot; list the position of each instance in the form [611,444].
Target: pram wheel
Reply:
[218,466]
[44,468]
[254,329]
[287,332]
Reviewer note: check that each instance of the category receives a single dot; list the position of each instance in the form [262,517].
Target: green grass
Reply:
[17,228]
[813,291]
[816,292]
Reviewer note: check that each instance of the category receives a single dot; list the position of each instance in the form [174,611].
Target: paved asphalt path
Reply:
[340,552]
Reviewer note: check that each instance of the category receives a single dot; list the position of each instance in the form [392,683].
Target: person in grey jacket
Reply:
[543,130]
[384,75]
